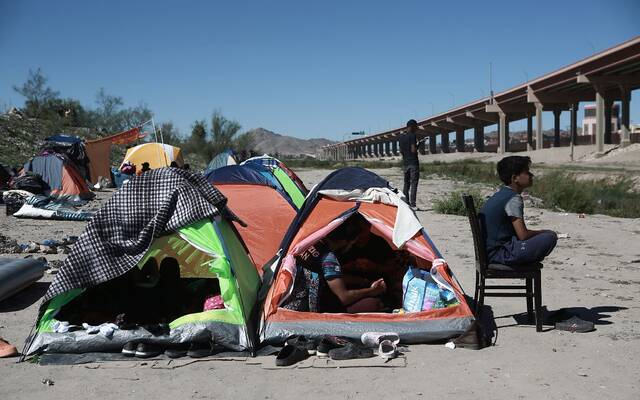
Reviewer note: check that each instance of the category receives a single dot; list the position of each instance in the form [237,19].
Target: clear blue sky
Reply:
[300,68]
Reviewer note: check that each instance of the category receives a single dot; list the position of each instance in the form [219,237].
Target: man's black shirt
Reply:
[406,140]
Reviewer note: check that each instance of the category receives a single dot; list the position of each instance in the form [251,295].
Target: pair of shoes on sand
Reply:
[299,348]
[148,350]
[7,349]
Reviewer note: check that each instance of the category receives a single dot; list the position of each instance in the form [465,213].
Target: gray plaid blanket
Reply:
[119,234]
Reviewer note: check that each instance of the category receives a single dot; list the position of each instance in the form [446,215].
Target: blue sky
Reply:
[305,69]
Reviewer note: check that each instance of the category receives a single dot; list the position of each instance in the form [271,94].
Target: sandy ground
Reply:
[596,270]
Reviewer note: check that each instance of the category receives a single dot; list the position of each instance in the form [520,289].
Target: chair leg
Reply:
[538,299]
[529,298]
[475,293]
[480,302]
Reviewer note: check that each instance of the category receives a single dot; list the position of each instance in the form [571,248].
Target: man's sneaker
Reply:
[129,349]
[177,351]
[387,349]
[328,343]
[373,339]
[200,349]
[415,208]
[350,351]
[146,350]
[290,355]
[303,342]
[7,349]
[575,324]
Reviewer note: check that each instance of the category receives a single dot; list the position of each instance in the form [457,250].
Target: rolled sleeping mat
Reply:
[18,273]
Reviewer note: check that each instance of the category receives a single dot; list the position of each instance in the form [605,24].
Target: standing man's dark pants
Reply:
[411,177]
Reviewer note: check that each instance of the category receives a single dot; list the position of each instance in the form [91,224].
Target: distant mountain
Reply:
[269,142]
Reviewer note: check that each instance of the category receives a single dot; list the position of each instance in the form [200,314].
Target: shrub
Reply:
[453,204]
[465,170]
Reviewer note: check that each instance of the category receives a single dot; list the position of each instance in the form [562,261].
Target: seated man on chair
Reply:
[508,240]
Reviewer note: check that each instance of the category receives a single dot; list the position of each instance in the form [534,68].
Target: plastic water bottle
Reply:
[431,296]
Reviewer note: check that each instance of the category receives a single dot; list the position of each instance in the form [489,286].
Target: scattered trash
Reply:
[48,382]
[563,236]
[450,345]
[580,215]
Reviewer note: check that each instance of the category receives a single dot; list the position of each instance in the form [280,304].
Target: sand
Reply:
[595,269]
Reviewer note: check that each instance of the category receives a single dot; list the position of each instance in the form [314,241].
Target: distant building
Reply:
[589,120]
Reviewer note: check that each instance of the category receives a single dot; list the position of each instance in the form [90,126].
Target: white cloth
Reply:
[406,224]
[61,327]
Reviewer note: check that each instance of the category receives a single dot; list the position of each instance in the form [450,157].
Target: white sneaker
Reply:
[387,349]
[373,339]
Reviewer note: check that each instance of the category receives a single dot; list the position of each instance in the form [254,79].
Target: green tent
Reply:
[289,186]
[205,251]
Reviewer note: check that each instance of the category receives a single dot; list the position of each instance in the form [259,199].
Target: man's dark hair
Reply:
[174,164]
[512,165]
[349,229]
[412,123]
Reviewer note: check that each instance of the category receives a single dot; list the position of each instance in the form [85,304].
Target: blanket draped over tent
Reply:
[120,233]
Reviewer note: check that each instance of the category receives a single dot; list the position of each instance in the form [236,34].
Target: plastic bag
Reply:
[426,290]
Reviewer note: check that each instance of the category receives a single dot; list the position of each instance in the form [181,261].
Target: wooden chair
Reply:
[484,270]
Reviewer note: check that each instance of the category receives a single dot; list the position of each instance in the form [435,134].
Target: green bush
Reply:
[453,204]
[564,191]
[465,170]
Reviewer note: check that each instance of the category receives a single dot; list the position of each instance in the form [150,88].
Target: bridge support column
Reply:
[574,123]
[625,132]
[502,133]
[529,132]
[387,148]
[444,144]
[421,148]
[478,138]
[600,121]
[460,140]
[607,121]
[556,128]
[394,147]
[539,135]
[432,144]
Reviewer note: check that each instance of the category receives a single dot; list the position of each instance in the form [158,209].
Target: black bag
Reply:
[30,182]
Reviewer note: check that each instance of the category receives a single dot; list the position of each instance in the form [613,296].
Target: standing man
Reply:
[409,151]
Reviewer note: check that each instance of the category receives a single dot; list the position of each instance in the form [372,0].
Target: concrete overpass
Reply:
[604,77]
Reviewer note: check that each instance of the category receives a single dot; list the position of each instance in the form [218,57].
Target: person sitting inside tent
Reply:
[320,284]
[128,168]
[145,168]
[371,258]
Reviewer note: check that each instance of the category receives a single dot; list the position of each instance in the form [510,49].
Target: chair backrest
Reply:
[478,234]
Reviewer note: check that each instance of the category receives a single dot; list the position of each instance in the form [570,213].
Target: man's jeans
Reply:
[411,177]
[519,252]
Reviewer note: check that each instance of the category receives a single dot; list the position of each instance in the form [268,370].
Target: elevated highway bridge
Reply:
[605,77]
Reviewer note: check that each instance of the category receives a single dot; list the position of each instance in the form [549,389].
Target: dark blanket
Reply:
[120,233]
